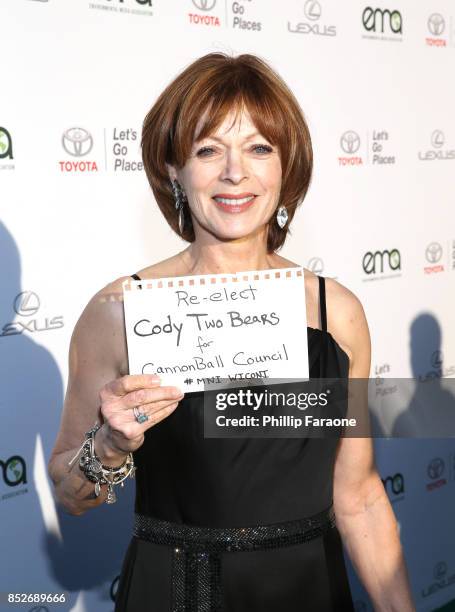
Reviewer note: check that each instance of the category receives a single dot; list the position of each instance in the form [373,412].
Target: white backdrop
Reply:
[376,85]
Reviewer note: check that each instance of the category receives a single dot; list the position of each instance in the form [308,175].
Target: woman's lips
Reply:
[235,208]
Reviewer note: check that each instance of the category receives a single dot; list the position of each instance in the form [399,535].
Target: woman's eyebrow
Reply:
[248,137]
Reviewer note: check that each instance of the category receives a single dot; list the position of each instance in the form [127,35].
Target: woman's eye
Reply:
[204,150]
[265,148]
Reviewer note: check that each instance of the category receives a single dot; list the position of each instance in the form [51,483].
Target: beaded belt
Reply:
[196,558]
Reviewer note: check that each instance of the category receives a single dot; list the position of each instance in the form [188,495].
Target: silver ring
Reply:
[139,416]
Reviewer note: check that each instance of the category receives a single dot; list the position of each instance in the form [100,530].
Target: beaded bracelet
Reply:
[98,473]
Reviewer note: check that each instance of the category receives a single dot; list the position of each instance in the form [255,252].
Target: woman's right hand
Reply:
[120,432]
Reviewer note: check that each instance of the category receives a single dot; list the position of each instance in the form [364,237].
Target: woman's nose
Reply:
[235,167]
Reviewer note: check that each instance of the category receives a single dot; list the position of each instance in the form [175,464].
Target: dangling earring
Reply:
[282,216]
[180,199]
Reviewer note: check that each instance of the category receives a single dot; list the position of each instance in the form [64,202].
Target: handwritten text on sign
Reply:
[202,329]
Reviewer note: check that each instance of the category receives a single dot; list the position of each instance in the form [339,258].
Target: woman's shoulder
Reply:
[172,266]
[346,321]
[166,268]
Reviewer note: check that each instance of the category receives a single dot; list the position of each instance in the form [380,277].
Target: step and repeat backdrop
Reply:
[375,82]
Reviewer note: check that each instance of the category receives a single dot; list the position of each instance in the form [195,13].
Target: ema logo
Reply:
[378,22]
[379,261]
[394,485]
[374,20]
[6,144]
[131,7]
[14,471]
[6,150]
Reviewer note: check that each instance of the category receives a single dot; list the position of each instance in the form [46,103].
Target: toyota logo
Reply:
[26,303]
[350,142]
[436,24]
[437,139]
[433,252]
[312,10]
[77,142]
[435,468]
[204,5]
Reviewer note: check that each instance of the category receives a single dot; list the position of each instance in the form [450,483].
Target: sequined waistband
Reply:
[225,539]
[197,552]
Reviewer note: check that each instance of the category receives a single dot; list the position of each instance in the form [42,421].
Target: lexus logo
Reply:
[77,142]
[26,303]
[316,265]
[312,10]
[440,570]
[437,139]
[350,142]
[435,468]
[433,252]
[436,359]
[436,24]
[204,5]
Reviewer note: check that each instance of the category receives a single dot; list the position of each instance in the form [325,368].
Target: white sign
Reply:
[218,328]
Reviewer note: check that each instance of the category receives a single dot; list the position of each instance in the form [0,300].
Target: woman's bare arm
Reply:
[97,391]
[364,515]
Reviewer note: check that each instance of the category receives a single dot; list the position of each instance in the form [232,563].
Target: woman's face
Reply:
[232,180]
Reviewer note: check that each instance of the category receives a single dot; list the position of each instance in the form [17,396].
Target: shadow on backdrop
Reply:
[93,545]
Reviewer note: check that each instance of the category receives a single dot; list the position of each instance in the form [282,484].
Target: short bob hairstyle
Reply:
[220,84]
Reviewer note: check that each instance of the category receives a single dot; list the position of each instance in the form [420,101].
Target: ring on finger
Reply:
[139,416]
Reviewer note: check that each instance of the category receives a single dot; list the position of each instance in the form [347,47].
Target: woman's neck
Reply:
[227,257]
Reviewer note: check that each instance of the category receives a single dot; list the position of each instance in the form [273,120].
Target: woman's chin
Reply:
[231,234]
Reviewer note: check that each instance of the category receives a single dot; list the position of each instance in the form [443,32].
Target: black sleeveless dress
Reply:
[241,490]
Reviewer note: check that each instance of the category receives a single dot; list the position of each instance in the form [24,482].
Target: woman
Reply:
[228,155]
